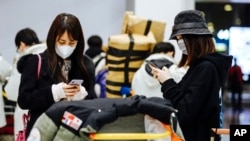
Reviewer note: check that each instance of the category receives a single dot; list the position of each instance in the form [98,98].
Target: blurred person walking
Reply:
[235,85]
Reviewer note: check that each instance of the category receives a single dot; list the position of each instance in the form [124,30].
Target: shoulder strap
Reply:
[99,60]
[39,65]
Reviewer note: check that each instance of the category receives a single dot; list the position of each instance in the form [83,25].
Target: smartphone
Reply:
[76,82]
[151,63]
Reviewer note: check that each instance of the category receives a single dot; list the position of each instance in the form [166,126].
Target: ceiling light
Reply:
[228,7]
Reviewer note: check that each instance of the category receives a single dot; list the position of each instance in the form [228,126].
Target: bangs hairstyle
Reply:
[197,47]
[70,23]
[66,22]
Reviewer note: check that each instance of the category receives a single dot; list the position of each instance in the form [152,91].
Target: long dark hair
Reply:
[197,47]
[70,23]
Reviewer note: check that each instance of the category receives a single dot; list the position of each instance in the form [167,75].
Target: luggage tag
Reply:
[71,120]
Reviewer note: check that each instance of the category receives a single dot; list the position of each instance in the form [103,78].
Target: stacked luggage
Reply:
[127,51]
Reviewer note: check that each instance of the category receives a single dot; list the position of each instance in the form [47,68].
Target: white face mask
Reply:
[21,53]
[182,46]
[64,51]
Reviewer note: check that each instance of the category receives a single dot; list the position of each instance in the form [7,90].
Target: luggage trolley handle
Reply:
[130,136]
[219,131]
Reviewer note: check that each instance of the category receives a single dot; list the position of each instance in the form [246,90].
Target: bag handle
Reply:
[25,120]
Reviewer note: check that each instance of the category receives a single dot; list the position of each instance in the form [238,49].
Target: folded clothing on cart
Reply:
[76,120]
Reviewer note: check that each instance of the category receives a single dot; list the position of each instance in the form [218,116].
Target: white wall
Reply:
[163,10]
[103,17]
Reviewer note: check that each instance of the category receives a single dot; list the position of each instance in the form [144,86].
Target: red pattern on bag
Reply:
[21,135]
[8,129]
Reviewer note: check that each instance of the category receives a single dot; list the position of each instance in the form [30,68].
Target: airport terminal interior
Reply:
[225,20]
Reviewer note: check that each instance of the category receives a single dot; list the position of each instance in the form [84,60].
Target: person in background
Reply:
[96,52]
[98,55]
[5,71]
[162,55]
[235,85]
[197,95]
[26,42]
[62,61]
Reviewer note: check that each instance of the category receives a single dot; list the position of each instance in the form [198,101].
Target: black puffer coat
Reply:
[35,94]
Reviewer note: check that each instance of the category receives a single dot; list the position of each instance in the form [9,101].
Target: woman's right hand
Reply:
[160,74]
[70,90]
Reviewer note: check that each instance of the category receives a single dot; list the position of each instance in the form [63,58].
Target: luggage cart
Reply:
[219,131]
[107,119]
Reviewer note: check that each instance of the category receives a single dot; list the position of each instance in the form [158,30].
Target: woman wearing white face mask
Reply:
[182,46]
[61,62]
[64,51]
[197,95]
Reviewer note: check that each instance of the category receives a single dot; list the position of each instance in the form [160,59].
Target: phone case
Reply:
[76,81]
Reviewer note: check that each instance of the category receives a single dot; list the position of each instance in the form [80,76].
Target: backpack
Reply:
[100,83]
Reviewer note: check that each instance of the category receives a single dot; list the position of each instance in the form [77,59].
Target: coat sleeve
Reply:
[198,93]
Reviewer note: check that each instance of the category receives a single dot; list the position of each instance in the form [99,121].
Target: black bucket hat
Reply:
[190,22]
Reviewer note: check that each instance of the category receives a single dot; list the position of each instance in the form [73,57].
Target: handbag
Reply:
[21,135]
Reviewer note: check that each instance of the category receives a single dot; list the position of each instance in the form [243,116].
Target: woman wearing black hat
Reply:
[197,95]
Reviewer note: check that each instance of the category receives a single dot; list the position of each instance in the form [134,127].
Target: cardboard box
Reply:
[133,24]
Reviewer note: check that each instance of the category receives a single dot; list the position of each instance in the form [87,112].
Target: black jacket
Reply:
[35,94]
[197,96]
